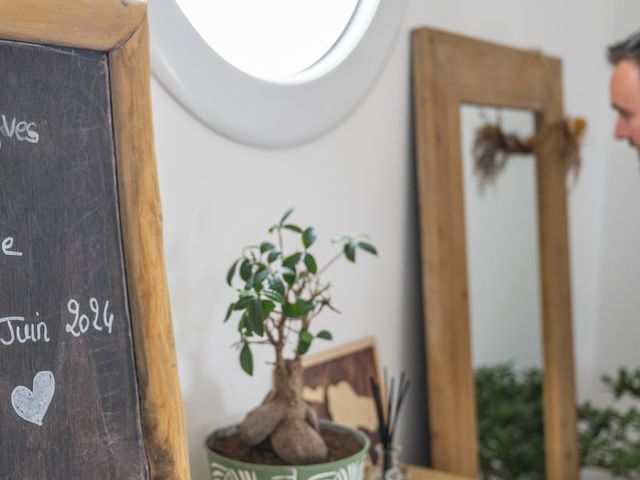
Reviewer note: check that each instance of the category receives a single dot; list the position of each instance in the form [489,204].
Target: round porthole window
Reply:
[275,40]
[271,74]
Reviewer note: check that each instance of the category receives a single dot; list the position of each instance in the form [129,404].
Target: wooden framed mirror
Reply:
[450,71]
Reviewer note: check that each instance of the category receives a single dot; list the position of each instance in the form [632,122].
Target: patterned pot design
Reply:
[349,468]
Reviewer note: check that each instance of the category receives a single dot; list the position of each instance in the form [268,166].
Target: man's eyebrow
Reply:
[619,109]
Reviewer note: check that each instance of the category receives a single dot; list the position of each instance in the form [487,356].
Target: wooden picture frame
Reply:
[353,363]
[449,70]
[120,28]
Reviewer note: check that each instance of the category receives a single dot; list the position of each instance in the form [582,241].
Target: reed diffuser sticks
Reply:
[388,417]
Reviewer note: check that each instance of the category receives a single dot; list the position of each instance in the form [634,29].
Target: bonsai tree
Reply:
[610,438]
[279,296]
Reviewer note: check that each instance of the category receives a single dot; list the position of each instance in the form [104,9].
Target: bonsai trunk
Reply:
[284,417]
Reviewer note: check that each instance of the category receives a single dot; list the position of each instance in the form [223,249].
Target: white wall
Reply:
[219,195]
[618,328]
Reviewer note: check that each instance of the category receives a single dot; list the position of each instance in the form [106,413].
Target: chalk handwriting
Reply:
[22,131]
[15,328]
[82,323]
[7,245]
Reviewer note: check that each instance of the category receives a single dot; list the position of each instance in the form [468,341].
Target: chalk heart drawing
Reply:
[32,405]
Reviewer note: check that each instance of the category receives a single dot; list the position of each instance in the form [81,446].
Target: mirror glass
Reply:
[503,265]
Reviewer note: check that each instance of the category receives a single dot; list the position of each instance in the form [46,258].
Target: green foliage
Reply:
[246,359]
[510,426]
[610,438]
[279,291]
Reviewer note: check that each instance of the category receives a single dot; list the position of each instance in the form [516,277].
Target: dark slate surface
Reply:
[58,202]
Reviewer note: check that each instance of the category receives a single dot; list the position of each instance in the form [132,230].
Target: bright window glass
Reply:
[274,39]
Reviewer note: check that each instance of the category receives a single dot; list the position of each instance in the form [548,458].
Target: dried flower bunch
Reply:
[493,147]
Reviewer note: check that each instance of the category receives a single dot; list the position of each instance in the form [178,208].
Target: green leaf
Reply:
[232,272]
[285,216]
[309,236]
[306,336]
[298,309]
[291,310]
[292,260]
[275,283]
[304,305]
[256,317]
[243,325]
[260,276]
[325,335]
[246,359]
[289,274]
[293,228]
[229,312]
[245,269]
[304,342]
[267,307]
[273,255]
[350,251]
[273,295]
[243,303]
[266,246]
[310,263]
[368,248]
[303,348]
[286,271]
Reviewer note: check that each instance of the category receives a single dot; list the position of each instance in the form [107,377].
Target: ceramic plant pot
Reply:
[349,468]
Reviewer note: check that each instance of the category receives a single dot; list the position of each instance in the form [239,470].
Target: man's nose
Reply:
[621,130]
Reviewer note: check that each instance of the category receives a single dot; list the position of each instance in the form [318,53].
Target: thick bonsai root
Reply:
[287,419]
[262,421]
[312,418]
[296,442]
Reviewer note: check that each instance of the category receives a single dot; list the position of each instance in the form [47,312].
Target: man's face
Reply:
[625,99]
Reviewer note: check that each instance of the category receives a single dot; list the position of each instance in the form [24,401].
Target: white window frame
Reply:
[254,111]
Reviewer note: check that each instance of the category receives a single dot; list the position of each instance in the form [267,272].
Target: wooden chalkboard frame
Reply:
[120,28]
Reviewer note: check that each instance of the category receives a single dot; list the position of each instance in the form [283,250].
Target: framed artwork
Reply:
[337,385]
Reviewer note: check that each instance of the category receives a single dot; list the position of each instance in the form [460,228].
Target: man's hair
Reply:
[628,49]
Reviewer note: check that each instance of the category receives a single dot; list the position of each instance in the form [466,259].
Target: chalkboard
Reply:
[68,392]
[88,376]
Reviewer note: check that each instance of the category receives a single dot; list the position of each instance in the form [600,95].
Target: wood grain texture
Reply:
[93,24]
[422,473]
[449,70]
[562,456]
[342,351]
[444,264]
[162,414]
